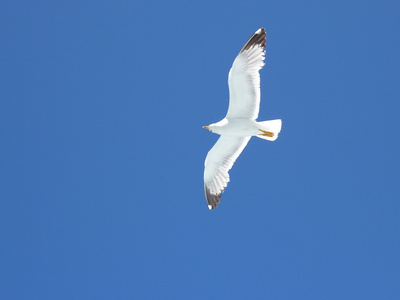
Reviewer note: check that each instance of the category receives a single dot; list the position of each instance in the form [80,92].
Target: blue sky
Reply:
[102,105]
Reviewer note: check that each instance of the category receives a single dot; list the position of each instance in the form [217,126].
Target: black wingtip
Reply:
[258,38]
[212,200]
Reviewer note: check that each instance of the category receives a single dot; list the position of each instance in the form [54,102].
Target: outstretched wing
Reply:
[219,161]
[244,78]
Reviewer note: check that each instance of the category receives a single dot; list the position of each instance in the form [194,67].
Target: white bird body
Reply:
[236,127]
[240,123]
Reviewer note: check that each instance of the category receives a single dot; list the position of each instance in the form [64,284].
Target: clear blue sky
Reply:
[102,105]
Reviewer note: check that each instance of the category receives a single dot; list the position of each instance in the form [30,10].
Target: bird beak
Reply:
[206,127]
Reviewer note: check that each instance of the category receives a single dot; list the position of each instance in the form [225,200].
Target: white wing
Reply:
[219,161]
[244,78]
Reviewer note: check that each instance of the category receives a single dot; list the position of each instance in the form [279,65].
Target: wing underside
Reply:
[244,78]
[219,161]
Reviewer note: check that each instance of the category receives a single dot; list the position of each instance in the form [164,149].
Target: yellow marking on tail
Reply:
[266,133]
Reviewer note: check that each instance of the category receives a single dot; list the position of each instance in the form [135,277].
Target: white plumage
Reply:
[239,124]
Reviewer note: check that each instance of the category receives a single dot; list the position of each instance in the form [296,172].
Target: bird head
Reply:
[208,127]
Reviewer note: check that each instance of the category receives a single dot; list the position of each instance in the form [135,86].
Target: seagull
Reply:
[239,124]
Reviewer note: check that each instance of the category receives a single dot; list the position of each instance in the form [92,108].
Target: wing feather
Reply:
[244,78]
[219,161]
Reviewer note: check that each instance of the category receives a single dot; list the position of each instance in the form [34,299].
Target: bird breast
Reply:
[236,127]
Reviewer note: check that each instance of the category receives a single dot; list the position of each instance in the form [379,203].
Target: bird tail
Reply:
[269,130]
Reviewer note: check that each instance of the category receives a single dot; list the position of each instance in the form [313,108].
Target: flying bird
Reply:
[239,124]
